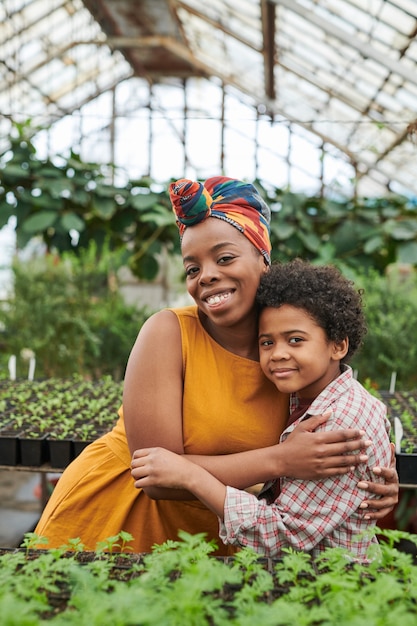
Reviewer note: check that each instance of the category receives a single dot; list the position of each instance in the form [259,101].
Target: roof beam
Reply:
[214,23]
[228,79]
[268,35]
[364,48]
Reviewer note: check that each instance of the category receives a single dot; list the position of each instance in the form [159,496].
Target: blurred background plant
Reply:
[66,305]
[390,346]
[67,309]
[68,203]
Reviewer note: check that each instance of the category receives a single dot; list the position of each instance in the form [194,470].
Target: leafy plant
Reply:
[58,409]
[30,540]
[118,542]
[70,203]
[355,233]
[390,308]
[180,583]
[295,567]
[64,310]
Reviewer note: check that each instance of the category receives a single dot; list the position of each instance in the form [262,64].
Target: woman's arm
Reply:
[311,455]
[152,391]
[153,386]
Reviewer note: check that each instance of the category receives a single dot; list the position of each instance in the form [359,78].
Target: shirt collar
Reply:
[332,392]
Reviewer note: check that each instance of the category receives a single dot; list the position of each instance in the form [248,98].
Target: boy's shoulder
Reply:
[369,397]
[360,409]
[346,390]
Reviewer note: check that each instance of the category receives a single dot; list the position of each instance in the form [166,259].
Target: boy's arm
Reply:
[306,511]
[300,518]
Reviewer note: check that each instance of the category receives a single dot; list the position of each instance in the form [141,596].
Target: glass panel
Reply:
[344,70]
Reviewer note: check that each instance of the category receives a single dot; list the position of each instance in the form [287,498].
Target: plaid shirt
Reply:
[311,515]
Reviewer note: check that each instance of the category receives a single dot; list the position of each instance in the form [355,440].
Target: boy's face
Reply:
[295,353]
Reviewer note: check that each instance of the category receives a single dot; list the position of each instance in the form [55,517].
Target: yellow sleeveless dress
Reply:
[229,406]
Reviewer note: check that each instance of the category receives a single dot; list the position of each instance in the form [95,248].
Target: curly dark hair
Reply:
[323,292]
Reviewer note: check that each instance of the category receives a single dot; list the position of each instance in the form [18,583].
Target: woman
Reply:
[193,384]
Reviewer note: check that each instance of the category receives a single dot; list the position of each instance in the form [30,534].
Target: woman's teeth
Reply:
[217,298]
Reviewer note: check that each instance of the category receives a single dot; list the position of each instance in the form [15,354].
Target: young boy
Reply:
[310,324]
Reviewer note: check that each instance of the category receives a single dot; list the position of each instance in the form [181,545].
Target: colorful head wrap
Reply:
[228,199]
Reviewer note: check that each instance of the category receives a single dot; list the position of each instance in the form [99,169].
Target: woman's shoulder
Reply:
[185,312]
[168,324]
[170,316]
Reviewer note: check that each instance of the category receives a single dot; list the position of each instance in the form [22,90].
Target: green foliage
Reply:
[57,198]
[74,408]
[116,543]
[181,584]
[390,310]
[31,539]
[54,198]
[78,324]
[68,311]
[360,233]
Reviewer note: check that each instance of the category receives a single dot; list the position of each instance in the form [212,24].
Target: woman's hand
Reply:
[161,468]
[325,453]
[310,455]
[158,467]
[378,508]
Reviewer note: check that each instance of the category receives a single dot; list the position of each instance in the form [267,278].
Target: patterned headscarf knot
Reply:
[228,199]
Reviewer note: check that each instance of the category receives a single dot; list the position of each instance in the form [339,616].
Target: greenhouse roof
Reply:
[342,71]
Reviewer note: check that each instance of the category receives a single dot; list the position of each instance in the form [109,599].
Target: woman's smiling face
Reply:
[223,270]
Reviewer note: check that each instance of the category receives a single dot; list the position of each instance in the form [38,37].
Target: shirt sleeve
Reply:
[304,513]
